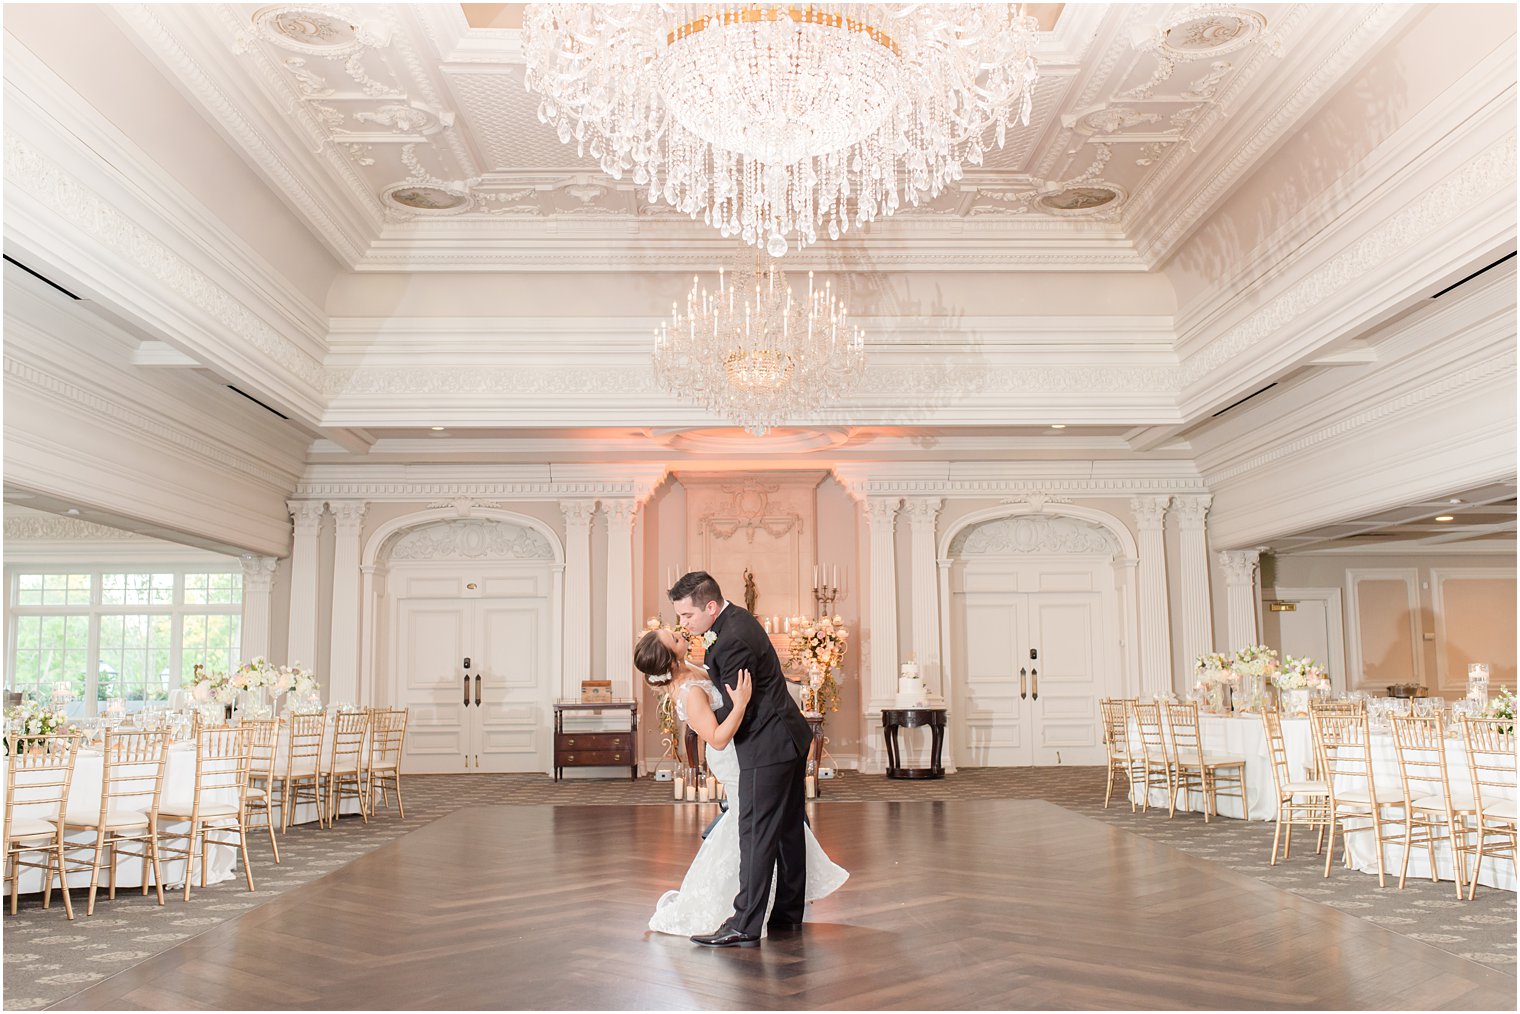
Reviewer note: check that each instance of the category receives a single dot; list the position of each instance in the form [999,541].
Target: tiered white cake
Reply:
[911,692]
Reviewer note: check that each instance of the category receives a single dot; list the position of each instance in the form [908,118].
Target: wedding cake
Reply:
[911,692]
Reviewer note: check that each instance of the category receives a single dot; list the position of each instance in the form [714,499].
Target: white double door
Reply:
[1036,649]
[493,714]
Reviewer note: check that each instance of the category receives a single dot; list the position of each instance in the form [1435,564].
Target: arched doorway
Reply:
[1039,629]
[482,585]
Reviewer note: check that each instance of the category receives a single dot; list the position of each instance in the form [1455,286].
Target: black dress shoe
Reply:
[783,927]
[726,938]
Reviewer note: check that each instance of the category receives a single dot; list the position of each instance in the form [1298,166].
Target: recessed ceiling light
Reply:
[1058,426]
[72,510]
[1446,517]
[437,429]
[1455,499]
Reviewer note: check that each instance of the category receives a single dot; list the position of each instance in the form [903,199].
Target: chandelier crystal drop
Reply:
[757,353]
[772,122]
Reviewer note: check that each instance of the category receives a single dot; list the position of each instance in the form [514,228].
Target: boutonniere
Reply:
[708,639]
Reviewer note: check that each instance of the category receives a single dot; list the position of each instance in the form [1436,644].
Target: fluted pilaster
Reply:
[577,625]
[1197,608]
[301,643]
[258,587]
[1242,598]
[881,636]
[619,645]
[1155,617]
[343,649]
[923,514]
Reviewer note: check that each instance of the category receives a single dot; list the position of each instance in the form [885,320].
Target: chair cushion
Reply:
[1504,809]
[302,768]
[1361,796]
[1459,801]
[209,809]
[114,818]
[1222,760]
[256,792]
[32,827]
[1297,787]
[346,768]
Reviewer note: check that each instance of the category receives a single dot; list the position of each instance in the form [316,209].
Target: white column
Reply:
[924,606]
[1197,609]
[258,588]
[881,635]
[343,644]
[577,614]
[619,646]
[301,643]
[1155,619]
[1127,583]
[1241,604]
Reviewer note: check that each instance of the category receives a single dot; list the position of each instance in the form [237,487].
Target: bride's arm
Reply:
[701,720]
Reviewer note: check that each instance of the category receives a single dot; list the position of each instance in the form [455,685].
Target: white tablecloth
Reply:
[306,811]
[84,797]
[1498,873]
[1241,736]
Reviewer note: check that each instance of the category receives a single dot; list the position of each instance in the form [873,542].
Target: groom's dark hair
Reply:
[698,586]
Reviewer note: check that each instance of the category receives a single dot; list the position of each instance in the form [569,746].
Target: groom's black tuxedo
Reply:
[772,744]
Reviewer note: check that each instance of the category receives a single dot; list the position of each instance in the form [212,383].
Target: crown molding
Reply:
[407,483]
[983,479]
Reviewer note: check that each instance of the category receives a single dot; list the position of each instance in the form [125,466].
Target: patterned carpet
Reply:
[47,958]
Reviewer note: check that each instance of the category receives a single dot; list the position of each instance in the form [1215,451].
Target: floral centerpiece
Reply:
[260,674]
[1503,706]
[32,718]
[1255,665]
[1296,679]
[1214,675]
[818,647]
[210,686]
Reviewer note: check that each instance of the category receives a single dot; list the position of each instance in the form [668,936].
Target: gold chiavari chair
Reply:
[216,803]
[299,774]
[387,734]
[1343,746]
[346,764]
[1116,740]
[131,783]
[1212,775]
[1490,744]
[259,796]
[1155,757]
[1434,811]
[37,778]
[1300,802]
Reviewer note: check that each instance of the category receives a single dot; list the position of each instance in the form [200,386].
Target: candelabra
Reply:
[824,595]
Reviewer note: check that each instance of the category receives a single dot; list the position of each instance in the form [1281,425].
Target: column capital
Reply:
[882,511]
[1192,510]
[349,515]
[620,512]
[923,511]
[1239,565]
[307,515]
[578,513]
[258,572]
[1149,511]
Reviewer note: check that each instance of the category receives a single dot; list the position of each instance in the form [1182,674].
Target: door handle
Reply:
[1023,688]
[477,690]
[467,690]
[1034,681]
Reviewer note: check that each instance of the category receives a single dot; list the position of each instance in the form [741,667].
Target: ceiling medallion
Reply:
[1081,200]
[772,122]
[421,197]
[1210,31]
[308,29]
[756,353]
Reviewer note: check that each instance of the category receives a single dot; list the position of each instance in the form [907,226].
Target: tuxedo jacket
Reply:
[773,730]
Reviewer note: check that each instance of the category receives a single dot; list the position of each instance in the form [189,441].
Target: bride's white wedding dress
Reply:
[706,897]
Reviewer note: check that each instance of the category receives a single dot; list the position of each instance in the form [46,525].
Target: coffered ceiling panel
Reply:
[419,119]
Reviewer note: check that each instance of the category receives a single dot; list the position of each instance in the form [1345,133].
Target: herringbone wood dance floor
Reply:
[1007,904]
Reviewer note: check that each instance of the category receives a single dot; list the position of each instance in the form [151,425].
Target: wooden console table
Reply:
[893,719]
[596,749]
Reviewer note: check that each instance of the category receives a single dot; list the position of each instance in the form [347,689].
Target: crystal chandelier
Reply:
[755,352]
[774,121]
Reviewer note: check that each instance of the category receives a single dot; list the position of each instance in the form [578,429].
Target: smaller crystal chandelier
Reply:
[755,352]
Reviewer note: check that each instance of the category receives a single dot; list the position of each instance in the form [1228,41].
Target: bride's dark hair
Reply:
[654,659]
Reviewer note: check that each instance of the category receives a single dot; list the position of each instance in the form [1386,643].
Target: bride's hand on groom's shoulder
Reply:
[740,692]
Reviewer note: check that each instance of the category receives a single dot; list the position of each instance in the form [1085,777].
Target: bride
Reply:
[706,897]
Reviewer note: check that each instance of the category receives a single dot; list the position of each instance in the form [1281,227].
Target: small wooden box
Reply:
[596,691]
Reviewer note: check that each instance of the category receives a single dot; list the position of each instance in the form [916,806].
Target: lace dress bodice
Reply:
[714,696]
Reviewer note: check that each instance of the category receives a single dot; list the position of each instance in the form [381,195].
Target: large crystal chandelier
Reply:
[775,121]
[757,353]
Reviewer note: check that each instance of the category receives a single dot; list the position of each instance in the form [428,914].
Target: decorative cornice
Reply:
[123,417]
[29,171]
[1492,170]
[53,528]
[1033,533]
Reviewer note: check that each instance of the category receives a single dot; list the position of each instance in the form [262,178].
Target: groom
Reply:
[772,744]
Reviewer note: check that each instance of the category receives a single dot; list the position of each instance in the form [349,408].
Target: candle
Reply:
[812,787]
[702,794]
[815,575]
[836,575]
[691,793]
[787,625]
[712,786]
[680,792]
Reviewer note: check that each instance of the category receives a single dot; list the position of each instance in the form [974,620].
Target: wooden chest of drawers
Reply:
[599,748]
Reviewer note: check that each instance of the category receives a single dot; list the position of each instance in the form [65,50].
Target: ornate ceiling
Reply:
[405,138]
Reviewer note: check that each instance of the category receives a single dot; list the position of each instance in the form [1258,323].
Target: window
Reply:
[134,634]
